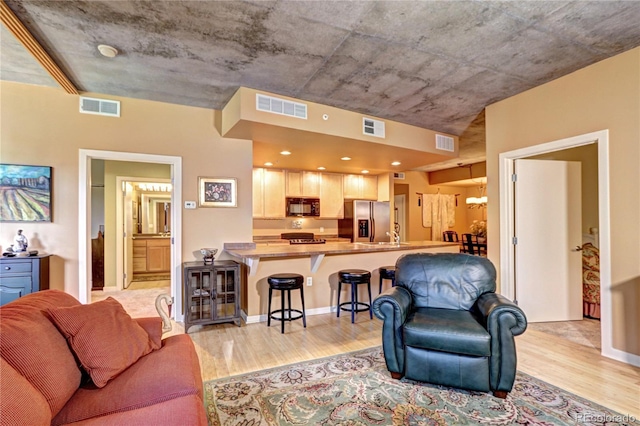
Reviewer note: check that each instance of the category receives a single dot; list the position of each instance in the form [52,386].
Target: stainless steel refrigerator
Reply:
[365,221]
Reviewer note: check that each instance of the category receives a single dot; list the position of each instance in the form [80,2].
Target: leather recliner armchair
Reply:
[444,323]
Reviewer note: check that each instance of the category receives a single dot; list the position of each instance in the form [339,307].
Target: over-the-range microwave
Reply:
[303,207]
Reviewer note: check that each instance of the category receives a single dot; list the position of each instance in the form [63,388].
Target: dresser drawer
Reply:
[15,267]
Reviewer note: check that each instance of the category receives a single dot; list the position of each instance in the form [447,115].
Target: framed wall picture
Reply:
[25,193]
[217,192]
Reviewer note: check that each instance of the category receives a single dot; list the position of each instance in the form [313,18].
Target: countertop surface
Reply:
[330,248]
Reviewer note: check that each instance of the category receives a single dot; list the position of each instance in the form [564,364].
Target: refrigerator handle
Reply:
[373,230]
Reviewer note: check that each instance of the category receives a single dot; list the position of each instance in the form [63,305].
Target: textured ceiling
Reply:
[432,64]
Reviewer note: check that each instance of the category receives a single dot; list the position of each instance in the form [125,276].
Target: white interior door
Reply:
[548,224]
[127,224]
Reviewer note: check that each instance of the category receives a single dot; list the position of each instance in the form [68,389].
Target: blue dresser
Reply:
[22,275]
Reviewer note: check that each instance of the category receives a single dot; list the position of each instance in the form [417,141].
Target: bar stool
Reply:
[354,277]
[285,283]
[387,273]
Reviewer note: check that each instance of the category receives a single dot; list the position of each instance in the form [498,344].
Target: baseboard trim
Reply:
[308,312]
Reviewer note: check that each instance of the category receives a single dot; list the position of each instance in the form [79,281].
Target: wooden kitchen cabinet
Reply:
[302,184]
[361,187]
[331,196]
[268,194]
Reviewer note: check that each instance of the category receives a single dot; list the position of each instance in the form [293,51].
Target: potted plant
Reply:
[479,229]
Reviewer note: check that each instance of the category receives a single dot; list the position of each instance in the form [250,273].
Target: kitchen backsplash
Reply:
[267,227]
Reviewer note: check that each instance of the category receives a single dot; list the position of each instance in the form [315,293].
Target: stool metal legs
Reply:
[286,314]
[354,300]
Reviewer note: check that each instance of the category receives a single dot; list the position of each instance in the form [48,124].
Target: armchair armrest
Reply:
[503,320]
[393,307]
[153,326]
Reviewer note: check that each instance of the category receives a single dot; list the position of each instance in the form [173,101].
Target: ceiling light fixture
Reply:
[108,51]
[268,164]
[396,163]
[364,172]
[322,168]
[346,158]
[477,202]
[285,152]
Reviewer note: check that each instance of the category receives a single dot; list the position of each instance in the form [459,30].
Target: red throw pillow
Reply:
[104,337]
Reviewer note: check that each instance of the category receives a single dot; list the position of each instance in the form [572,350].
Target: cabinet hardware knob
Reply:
[7,268]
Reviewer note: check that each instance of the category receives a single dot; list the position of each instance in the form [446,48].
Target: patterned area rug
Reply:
[356,389]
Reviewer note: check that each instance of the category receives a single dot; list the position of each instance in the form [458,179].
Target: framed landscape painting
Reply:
[25,193]
[218,192]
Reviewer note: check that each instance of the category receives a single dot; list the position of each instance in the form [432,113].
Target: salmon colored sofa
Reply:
[67,363]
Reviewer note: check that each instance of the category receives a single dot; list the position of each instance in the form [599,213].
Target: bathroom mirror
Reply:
[155,213]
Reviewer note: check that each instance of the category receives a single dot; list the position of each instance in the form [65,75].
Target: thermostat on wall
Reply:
[189,204]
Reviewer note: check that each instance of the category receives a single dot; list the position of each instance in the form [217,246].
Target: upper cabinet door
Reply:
[361,187]
[331,198]
[274,198]
[369,187]
[302,184]
[268,194]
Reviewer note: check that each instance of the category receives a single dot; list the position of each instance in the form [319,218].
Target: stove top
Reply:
[307,241]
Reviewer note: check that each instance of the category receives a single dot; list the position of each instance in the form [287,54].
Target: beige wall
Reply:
[605,95]
[42,126]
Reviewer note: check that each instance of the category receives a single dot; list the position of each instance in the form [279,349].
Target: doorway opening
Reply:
[84,215]
[507,224]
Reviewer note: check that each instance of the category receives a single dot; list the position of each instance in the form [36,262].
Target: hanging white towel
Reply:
[438,213]
[427,207]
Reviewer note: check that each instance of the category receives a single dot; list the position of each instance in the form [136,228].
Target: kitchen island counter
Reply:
[330,248]
[319,263]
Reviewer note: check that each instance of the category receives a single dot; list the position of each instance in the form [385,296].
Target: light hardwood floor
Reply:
[227,350]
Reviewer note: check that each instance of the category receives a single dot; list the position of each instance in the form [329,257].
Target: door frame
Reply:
[507,216]
[84,215]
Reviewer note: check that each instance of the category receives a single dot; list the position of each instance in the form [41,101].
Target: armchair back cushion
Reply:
[445,281]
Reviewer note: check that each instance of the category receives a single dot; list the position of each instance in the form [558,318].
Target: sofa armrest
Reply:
[153,327]
[393,307]
[503,320]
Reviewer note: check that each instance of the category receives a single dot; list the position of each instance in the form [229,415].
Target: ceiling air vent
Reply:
[445,143]
[398,175]
[281,106]
[99,107]
[372,127]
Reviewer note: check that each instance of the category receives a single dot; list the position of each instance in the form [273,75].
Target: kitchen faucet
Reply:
[396,237]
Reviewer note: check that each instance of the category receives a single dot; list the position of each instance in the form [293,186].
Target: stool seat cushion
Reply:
[354,275]
[388,272]
[285,281]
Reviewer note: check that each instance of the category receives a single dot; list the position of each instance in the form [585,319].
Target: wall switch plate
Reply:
[309,281]
[189,204]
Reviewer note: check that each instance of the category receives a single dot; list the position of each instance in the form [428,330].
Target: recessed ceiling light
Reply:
[285,152]
[268,163]
[395,163]
[108,51]
[322,168]
[346,158]
[365,171]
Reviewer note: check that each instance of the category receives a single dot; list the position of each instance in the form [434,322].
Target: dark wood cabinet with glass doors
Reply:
[211,293]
